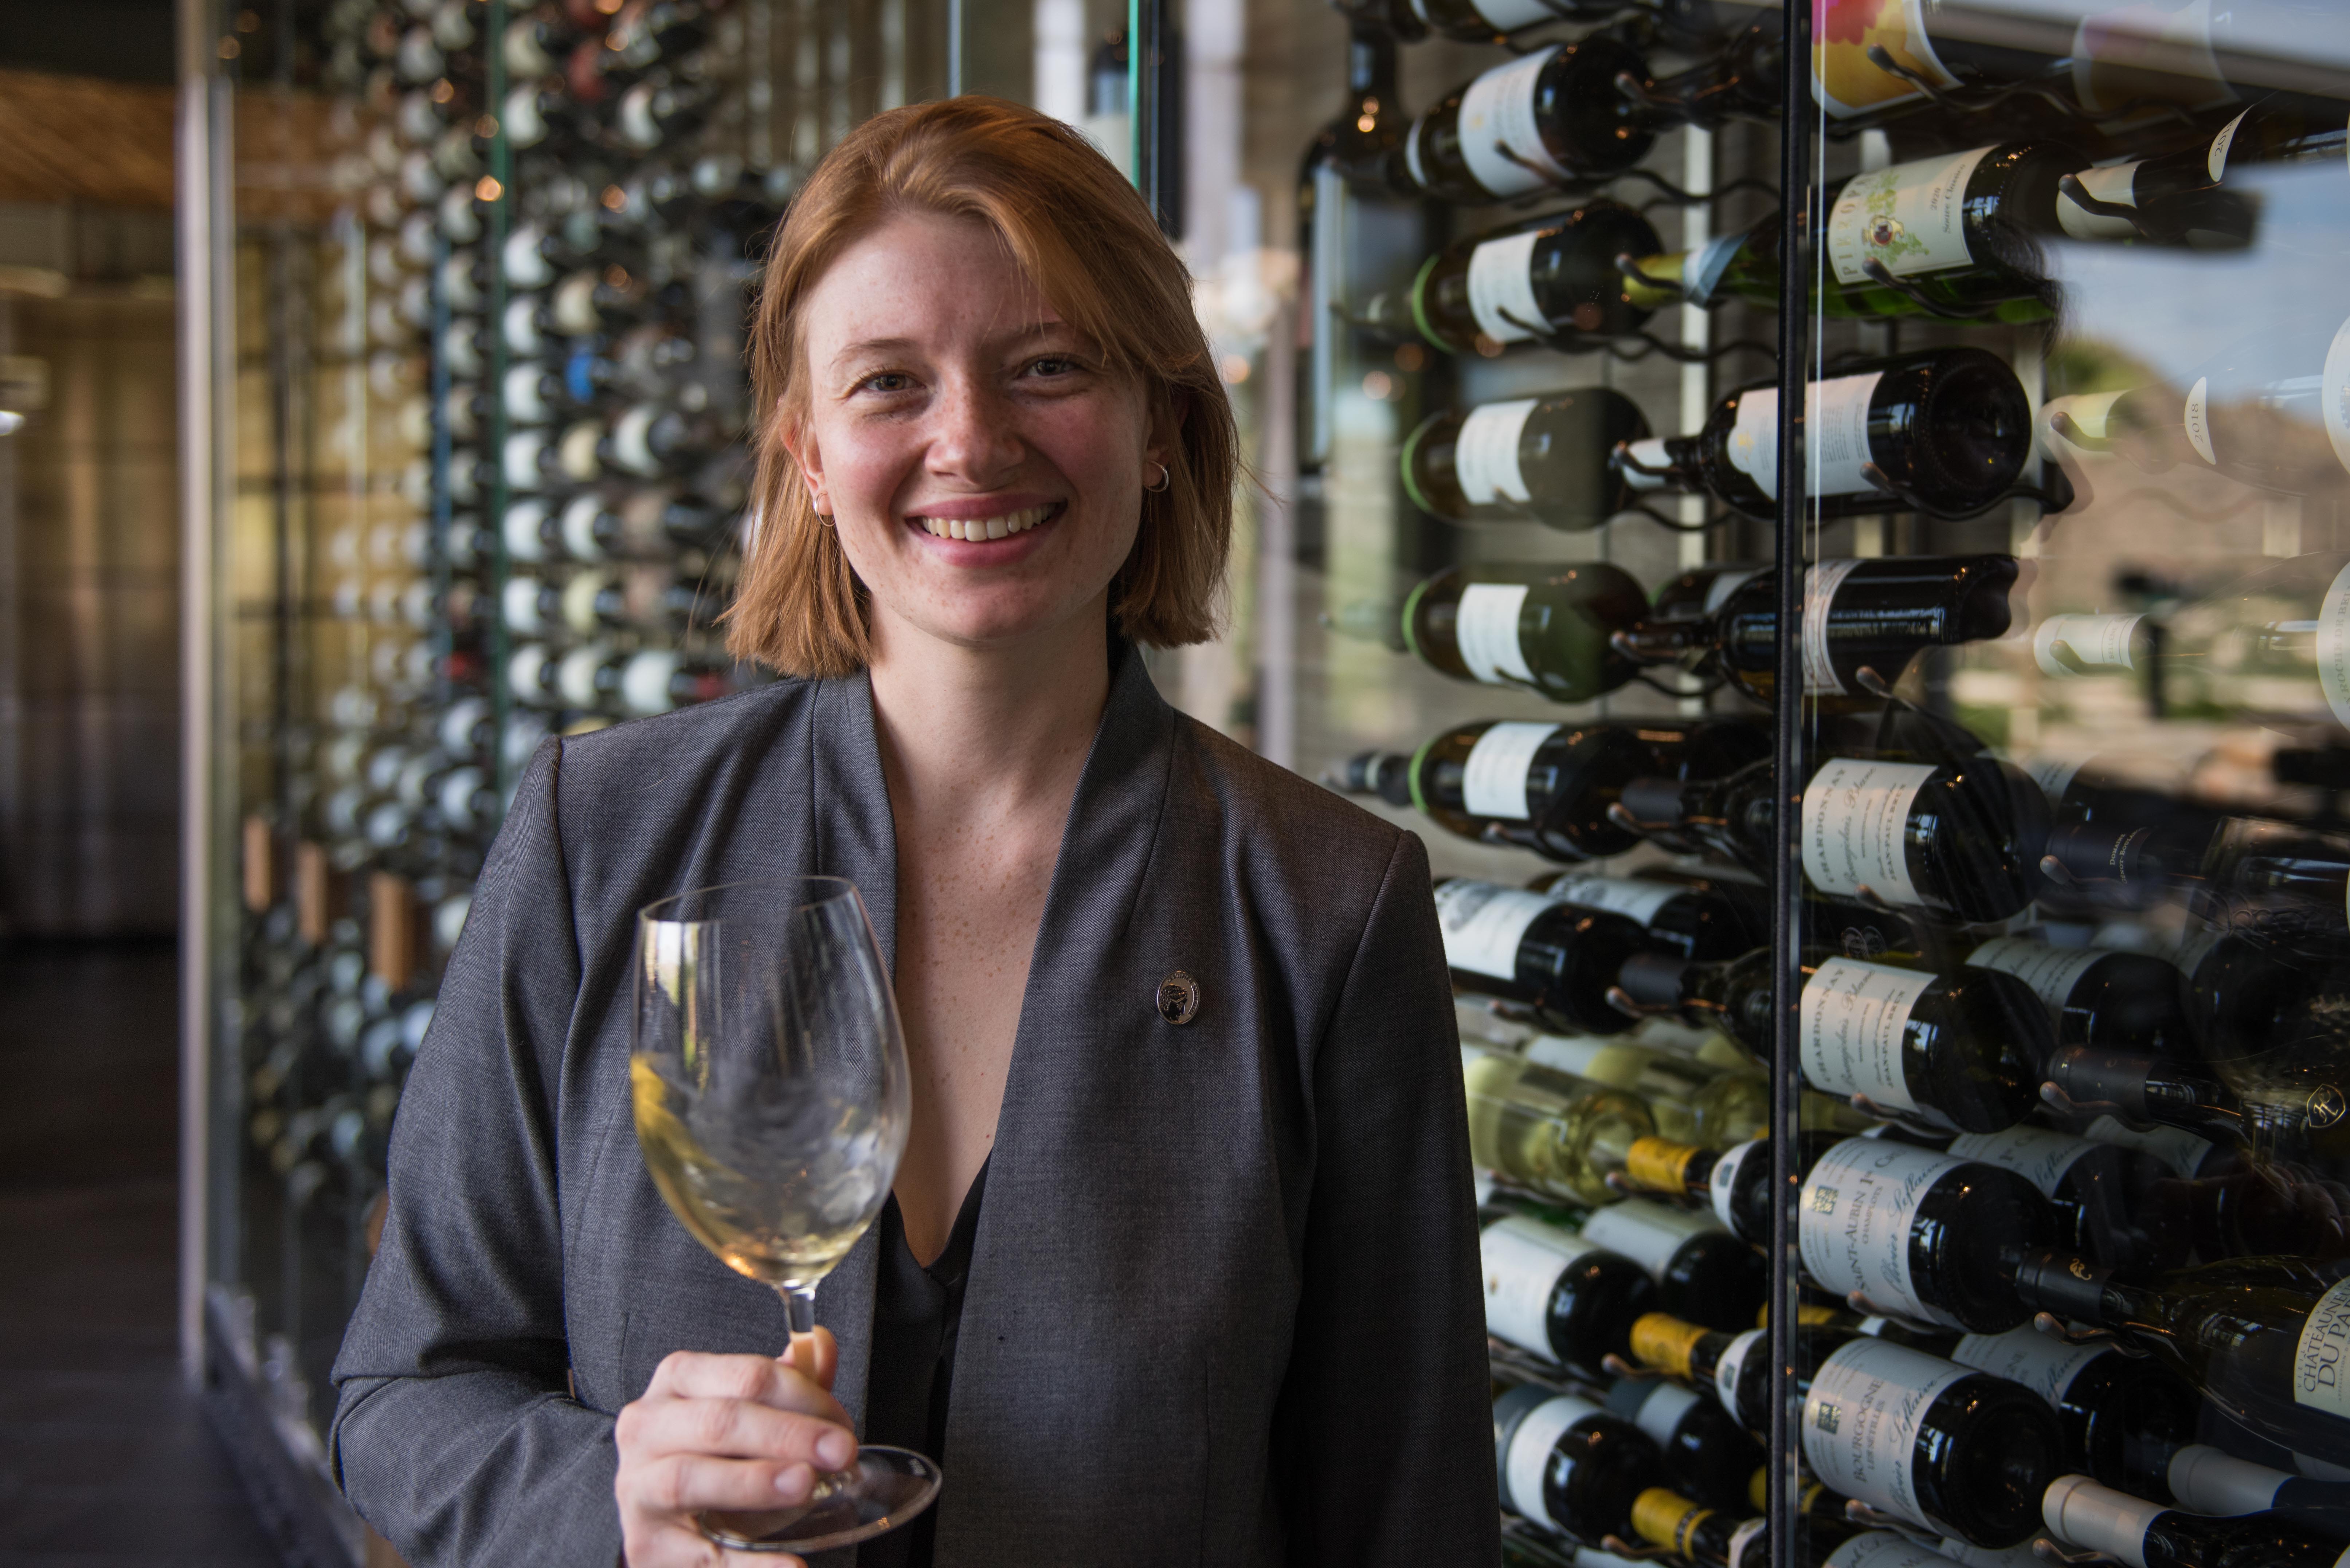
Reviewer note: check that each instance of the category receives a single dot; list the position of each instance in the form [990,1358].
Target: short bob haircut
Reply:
[1089,243]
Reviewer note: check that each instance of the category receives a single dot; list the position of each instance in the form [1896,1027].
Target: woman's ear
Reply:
[1166,428]
[806,456]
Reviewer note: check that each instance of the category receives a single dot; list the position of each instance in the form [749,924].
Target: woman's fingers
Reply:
[695,1483]
[734,1428]
[816,1356]
[765,1380]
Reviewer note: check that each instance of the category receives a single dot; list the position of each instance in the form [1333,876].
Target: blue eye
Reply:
[876,382]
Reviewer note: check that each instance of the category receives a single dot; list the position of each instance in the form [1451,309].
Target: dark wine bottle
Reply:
[1707,1455]
[1553,117]
[2206,1480]
[1961,838]
[1360,144]
[1559,1294]
[2237,1207]
[2098,996]
[2103,1194]
[2300,1116]
[1717,1362]
[1877,615]
[1543,627]
[2264,1339]
[1529,946]
[1548,459]
[1568,1466]
[1546,786]
[1687,1529]
[1734,1182]
[1703,1273]
[1948,431]
[1489,21]
[1693,917]
[1557,281]
[2122,1420]
[2082,1513]
[1966,1050]
[1925,1235]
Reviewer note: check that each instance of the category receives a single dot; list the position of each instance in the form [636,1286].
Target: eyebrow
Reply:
[869,345]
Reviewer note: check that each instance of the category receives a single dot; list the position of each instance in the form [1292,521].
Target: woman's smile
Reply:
[981,520]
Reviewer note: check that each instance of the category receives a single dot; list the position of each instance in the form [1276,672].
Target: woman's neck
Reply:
[966,731]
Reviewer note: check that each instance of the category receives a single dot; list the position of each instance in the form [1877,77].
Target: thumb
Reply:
[816,1356]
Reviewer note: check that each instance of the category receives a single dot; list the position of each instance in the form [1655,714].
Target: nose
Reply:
[973,440]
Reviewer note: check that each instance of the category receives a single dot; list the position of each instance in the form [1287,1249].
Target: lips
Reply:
[1000,526]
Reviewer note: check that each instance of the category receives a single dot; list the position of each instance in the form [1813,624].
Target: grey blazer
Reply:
[1223,1306]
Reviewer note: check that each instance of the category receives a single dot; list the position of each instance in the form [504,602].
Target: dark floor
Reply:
[104,1461]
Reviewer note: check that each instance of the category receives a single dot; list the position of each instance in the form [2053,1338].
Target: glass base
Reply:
[882,1490]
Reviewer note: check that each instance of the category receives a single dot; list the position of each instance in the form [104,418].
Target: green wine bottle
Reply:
[1548,459]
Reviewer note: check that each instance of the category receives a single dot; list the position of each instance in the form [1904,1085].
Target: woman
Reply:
[1181,1265]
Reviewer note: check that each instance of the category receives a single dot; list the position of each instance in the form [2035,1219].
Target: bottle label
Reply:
[1485,629]
[1626,895]
[1750,1543]
[1485,453]
[1883,1549]
[1493,779]
[2045,1365]
[2099,641]
[2039,1154]
[1662,1410]
[1820,585]
[1853,1217]
[1647,454]
[1412,162]
[1665,1517]
[1601,1060]
[1861,1418]
[2321,1379]
[1701,273]
[1855,822]
[1502,285]
[1505,15]
[2195,420]
[2209,1481]
[1854,1017]
[1498,112]
[1836,435]
[1529,1456]
[1523,1259]
[2176,1147]
[1483,924]
[2331,647]
[2050,972]
[1911,218]
[1659,1164]
[1647,1232]
[1722,1185]
[2116,185]
[1845,80]
[1726,1372]
[1664,1342]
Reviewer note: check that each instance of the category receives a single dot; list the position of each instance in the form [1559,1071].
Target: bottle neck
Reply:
[1371,65]
[2141,1088]
[1740,81]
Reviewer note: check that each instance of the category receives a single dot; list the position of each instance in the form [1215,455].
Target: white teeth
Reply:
[996,529]
[1000,527]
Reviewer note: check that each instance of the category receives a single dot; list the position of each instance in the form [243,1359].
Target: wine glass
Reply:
[768,1074]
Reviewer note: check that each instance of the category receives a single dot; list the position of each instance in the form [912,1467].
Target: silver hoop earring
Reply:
[824,519]
[1166,478]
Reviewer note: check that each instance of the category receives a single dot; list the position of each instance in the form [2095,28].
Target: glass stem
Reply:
[799,1302]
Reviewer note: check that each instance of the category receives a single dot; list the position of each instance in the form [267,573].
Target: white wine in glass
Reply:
[768,1074]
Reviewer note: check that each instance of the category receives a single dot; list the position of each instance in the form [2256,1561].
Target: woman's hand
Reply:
[737,1433]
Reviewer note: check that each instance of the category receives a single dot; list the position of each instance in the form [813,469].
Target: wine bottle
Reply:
[2098,996]
[1733,1182]
[1707,1455]
[1716,1361]
[1546,1130]
[1703,1273]
[1561,1295]
[547,459]
[1875,615]
[1927,1235]
[1360,144]
[2206,1480]
[1556,282]
[2240,1209]
[1543,627]
[2264,1339]
[2185,197]
[1549,459]
[2085,1514]
[1568,1465]
[1687,1529]
[1966,1050]
[2122,1420]
[1691,1100]
[1947,430]
[2102,1194]
[1529,946]
[1546,787]
[1489,21]
[2301,1116]
[1553,117]
[1698,917]
[1962,839]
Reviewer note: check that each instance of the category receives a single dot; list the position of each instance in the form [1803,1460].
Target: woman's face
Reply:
[984,466]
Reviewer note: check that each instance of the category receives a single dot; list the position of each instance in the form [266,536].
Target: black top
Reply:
[916,1314]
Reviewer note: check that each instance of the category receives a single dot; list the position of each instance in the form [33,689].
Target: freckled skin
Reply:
[942,385]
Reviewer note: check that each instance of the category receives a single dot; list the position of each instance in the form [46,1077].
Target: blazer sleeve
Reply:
[453,1433]
[1387,1452]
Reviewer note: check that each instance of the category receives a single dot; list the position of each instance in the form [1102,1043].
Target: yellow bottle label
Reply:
[1664,1342]
[1666,1518]
[1806,1312]
[1659,1164]
[1758,1489]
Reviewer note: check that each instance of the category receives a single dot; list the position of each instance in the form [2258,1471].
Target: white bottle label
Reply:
[1853,1016]
[2181,1150]
[2195,419]
[1722,1185]
[1529,1456]
[1701,273]
[1836,435]
[1523,1259]
[1626,895]
[2050,972]
[2116,185]
[1502,285]
[1483,924]
[1883,1549]
[1662,1410]
[2215,163]
[1645,1230]
[1854,1218]
[2331,647]
[2039,1154]
[1856,820]
[1508,15]
[1820,585]
[1911,218]
[1861,1418]
[2099,641]
[1412,162]
[1497,112]
[2321,1378]
[1493,779]
[2209,1481]
[1726,1372]
[1485,453]
[1485,629]
[1587,1056]
[2045,1365]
